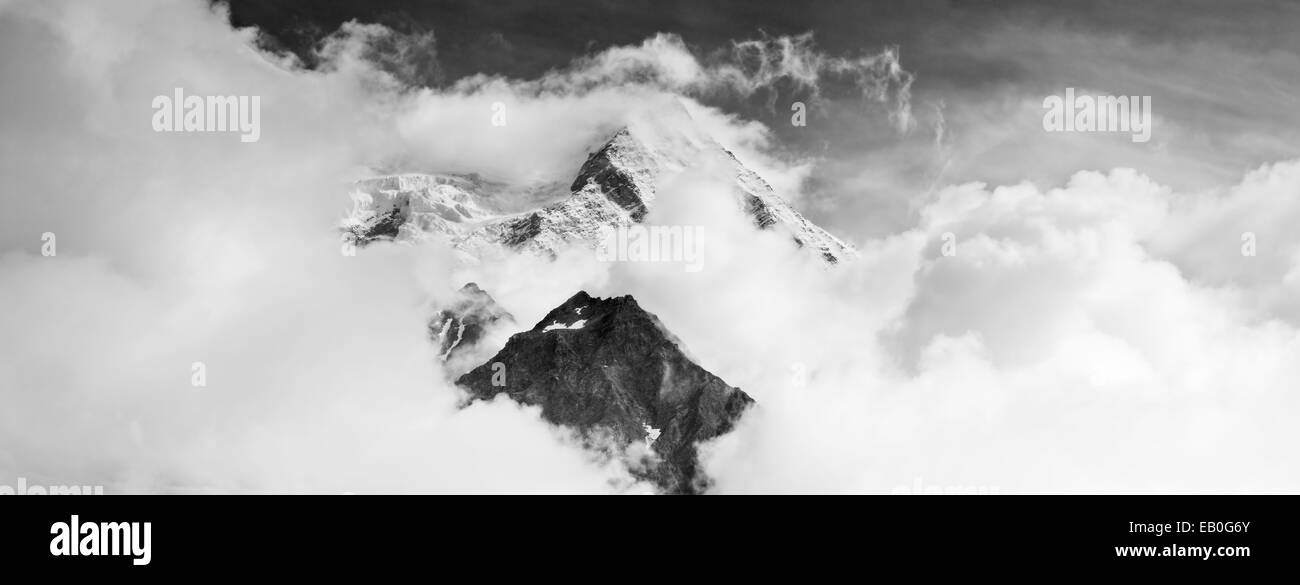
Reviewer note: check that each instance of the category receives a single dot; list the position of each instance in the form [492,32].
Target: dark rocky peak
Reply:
[610,370]
[584,307]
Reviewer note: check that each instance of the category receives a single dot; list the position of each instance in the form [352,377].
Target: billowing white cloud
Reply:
[173,249]
[1054,350]
[1106,335]
[665,62]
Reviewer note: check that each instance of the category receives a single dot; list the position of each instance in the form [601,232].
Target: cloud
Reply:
[1105,335]
[1056,351]
[1213,233]
[766,65]
[408,56]
[181,248]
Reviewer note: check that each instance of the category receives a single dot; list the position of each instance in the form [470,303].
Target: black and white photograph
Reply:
[284,248]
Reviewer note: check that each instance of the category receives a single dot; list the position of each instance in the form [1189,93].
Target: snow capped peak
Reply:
[614,187]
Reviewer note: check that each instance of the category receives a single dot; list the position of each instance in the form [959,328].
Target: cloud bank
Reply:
[1106,335]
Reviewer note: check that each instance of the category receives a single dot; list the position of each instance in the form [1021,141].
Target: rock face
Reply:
[610,370]
[614,187]
[461,325]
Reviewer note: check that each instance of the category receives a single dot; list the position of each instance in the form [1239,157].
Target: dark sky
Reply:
[523,39]
[1224,77]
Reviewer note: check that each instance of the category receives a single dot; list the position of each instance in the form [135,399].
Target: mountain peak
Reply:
[581,297]
[622,170]
[615,186]
[587,309]
[463,322]
[610,370]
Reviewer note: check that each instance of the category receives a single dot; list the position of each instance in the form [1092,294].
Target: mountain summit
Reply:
[460,325]
[610,370]
[614,187]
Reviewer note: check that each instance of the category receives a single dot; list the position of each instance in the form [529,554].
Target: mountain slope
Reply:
[610,370]
[463,322]
[614,187]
